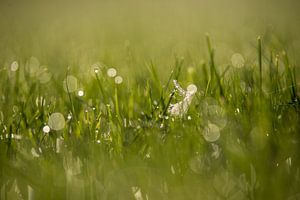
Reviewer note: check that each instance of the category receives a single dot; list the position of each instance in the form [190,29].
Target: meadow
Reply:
[149,99]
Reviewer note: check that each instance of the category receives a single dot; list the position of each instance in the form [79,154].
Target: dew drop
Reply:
[70,84]
[80,93]
[14,66]
[46,129]
[118,79]
[96,67]
[56,121]
[111,72]
[211,132]
[44,76]
[69,116]
[237,60]
[33,66]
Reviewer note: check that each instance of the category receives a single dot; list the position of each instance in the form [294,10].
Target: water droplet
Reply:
[33,66]
[111,72]
[196,164]
[56,121]
[237,60]
[98,141]
[44,76]
[118,79]
[80,93]
[96,67]
[70,84]
[46,129]
[217,115]
[189,118]
[211,132]
[14,66]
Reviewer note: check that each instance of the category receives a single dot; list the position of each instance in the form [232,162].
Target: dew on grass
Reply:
[33,66]
[70,84]
[237,60]
[216,114]
[56,121]
[211,132]
[14,66]
[46,129]
[118,79]
[111,72]
[96,67]
[44,76]
[96,70]
[98,141]
[80,93]
[196,164]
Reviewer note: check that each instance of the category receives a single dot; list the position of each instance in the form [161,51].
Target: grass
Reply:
[239,138]
[121,138]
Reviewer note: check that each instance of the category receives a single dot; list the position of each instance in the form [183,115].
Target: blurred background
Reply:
[75,32]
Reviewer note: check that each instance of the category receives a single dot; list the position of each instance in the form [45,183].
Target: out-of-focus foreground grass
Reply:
[86,86]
